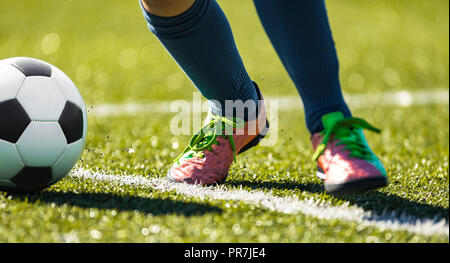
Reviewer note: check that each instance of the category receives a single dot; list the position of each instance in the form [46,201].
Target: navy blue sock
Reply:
[301,34]
[202,43]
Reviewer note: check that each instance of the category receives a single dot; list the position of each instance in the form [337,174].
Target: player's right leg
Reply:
[301,34]
[198,36]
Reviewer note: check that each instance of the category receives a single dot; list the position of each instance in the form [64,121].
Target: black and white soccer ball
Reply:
[43,124]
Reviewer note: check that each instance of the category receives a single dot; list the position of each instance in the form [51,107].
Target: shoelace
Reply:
[346,132]
[207,136]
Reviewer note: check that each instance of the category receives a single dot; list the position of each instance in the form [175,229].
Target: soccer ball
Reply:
[43,124]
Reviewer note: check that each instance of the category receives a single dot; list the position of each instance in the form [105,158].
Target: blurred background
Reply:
[106,48]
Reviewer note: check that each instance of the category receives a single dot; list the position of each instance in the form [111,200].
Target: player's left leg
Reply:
[301,34]
[198,36]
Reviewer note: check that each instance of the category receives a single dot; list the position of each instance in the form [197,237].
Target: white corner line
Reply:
[286,205]
[287,103]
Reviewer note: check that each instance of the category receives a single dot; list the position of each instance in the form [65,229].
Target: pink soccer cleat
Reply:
[345,161]
[212,150]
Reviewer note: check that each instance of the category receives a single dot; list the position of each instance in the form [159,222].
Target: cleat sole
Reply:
[357,186]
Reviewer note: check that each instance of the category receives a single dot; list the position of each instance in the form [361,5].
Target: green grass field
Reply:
[385,47]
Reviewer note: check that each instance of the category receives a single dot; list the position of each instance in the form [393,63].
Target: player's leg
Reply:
[167,8]
[198,36]
[301,35]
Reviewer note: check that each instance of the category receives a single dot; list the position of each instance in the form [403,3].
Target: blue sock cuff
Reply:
[321,92]
[177,26]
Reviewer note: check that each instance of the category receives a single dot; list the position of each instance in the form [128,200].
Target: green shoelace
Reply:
[208,134]
[347,132]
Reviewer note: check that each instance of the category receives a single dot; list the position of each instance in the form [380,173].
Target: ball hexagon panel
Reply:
[10,82]
[69,158]
[13,120]
[68,87]
[8,61]
[41,144]
[72,122]
[41,98]
[32,178]
[10,163]
[32,67]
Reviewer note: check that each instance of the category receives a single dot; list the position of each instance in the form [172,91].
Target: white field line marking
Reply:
[286,205]
[286,103]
